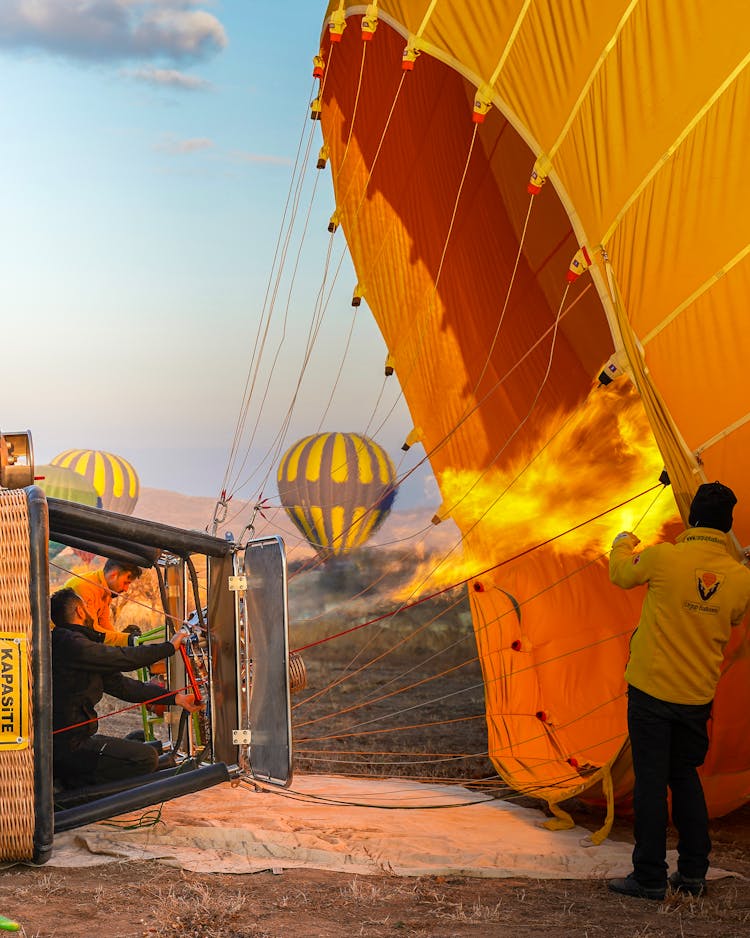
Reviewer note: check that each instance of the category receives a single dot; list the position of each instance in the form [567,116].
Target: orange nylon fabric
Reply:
[643,112]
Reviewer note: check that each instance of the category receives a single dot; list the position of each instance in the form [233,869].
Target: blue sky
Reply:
[148,149]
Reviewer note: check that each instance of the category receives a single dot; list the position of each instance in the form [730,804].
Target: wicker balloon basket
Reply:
[26,799]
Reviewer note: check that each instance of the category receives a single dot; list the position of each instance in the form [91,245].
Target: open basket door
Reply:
[267,679]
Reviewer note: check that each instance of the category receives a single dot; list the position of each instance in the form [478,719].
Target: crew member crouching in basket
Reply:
[83,670]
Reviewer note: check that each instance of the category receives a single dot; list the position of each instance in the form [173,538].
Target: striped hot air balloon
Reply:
[337,488]
[58,482]
[114,479]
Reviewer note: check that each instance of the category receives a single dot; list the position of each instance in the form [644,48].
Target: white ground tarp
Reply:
[359,826]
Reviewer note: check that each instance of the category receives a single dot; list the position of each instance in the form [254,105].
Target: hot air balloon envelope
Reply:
[113,477]
[337,488]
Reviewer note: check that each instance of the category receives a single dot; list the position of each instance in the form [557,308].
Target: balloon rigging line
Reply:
[372,170]
[453,217]
[421,327]
[319,312]
[445,557]
[356,215]
[354,114]
[523,602]
[429,306]
[350,674]
[345,354]
[299,185]
[452,221]
[272,304]
[507,299]
[315,325]
[480,716]
[311,341]
[411,635]
[446,589]
[479,573]
[400,690]
[343,253]
[400,480]
[376,406]
[394,729]
[306,797]
[112,713]
[264,309]
[282,337]
[438,756]
[512,795]
[485,625]
[499,453]
[248,391]
[521,423]
[338,373]
[464,690]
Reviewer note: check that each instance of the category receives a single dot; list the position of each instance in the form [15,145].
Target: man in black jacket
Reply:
[83,670]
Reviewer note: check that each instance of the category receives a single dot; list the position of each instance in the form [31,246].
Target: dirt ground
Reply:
[138,900]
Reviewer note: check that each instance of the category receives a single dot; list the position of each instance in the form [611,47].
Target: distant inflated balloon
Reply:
[337,488]
[113,478]
[58,482]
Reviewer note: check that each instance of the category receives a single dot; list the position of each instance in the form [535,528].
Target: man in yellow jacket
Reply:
[697,592]
[98,589]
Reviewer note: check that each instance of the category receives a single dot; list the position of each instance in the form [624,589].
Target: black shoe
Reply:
[137,736]
[629,886]
[686,884]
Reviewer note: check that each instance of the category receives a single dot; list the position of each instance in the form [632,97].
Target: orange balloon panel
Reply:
[497,353]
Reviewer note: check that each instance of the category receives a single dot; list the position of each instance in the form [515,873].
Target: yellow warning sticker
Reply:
[14,692]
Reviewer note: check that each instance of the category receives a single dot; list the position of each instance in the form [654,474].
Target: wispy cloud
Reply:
[243,156]
[108,30]
[169,78]
[176,146]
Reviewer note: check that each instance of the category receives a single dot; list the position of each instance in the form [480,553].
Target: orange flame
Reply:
[578,466]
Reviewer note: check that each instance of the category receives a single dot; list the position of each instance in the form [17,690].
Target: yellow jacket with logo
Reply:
[96,595]
[696,592]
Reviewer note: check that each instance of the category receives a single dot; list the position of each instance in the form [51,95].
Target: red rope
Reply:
[502,563]
[73,726]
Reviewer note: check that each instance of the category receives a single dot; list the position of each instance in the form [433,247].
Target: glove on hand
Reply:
[634,541]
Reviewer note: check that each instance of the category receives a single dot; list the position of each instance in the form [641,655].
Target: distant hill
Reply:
[183,511]
[195,513]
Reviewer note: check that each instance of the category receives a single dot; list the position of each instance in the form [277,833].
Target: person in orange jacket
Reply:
[97,589]
[697,593]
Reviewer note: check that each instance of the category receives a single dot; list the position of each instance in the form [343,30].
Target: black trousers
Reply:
[669,741]
[103,759]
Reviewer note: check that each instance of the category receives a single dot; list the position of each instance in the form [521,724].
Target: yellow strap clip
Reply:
[337,23]
[369,22]
[482,103]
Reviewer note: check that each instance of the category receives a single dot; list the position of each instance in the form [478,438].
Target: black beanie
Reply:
[712,507]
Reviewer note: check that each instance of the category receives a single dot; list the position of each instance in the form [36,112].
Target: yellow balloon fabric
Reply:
[113,477]
[631,121]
